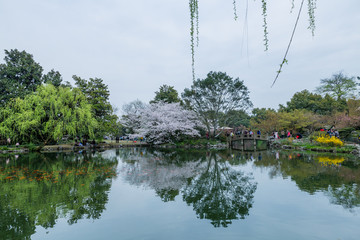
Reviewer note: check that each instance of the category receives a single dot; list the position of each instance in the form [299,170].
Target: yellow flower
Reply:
[329,141]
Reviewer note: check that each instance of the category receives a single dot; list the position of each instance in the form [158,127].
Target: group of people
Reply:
[332,132]
[285,134]
[238,132]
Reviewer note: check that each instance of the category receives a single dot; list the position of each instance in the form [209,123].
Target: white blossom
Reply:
[165,122]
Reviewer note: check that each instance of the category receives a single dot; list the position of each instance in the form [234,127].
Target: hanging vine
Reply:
[194,27]
[194,30]
[264,14]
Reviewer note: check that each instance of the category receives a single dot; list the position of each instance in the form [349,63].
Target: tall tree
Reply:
[97,94]
[19,76]
[166,94]
[47,115]
[338,86]
[215,96]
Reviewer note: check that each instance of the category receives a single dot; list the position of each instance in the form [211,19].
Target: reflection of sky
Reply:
[280,211]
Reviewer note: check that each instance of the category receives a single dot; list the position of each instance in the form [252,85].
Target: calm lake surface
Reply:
[142,193]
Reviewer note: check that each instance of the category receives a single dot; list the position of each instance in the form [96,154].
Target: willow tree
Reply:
[194,26]
[47,115]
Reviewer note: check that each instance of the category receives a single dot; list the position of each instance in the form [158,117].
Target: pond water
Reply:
[143,193]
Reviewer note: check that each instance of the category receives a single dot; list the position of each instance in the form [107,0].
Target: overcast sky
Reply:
[137,46]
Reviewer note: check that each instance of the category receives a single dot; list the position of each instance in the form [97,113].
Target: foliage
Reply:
[97,95]
[53,77]
[235,118]
[313,102]
[298,120]
[166,94]
[19,76]
[215,96]
[339,86]
[165,122]
[329,141]
[47,115]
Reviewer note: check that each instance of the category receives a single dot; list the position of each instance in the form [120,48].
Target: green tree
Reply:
[53,77]
[338,86]
[46,115]
[236,118]
[215,96]
[267,120]
[299,120]
[166,94]
[259,114]
[314,102]
[19,76]
[97,94]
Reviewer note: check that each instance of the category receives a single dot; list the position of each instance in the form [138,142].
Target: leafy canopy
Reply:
[338,86]
[47,115]
[97,95]
[166,94]
[19,76]
[215,96]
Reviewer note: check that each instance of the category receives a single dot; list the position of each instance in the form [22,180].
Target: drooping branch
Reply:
[287,50]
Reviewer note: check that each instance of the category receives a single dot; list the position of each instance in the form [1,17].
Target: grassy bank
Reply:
[310,145]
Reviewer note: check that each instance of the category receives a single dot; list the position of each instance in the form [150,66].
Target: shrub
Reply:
[329,141]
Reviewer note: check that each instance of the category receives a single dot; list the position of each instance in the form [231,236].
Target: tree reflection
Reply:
[337,176]
[220,193]
[215,189]
[37,189]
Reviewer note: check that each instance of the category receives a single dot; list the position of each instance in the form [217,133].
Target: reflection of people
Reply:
[8,141]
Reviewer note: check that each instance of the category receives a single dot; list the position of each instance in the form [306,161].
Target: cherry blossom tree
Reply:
[165,122]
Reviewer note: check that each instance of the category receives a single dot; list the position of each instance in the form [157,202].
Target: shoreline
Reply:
[123,144]
[72,147]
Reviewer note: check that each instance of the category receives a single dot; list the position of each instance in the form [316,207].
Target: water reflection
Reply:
[37,189]
[337,176]
[210,184]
